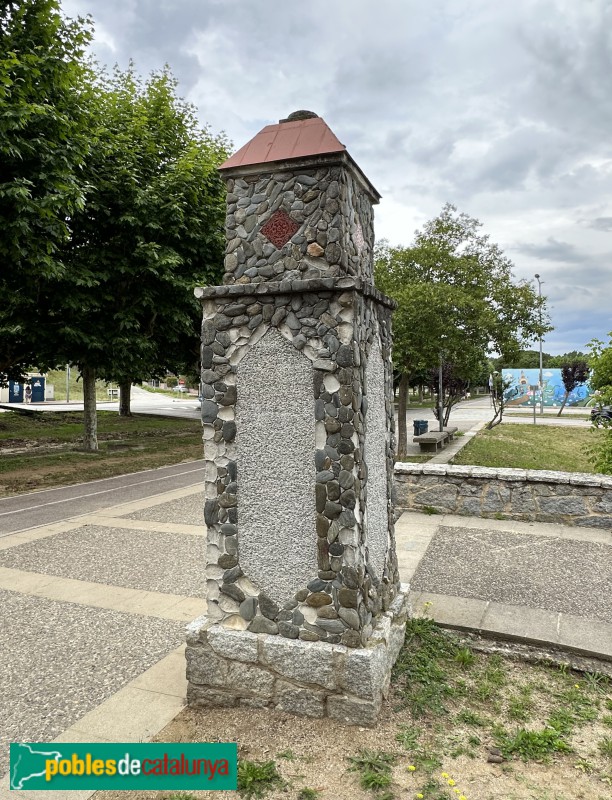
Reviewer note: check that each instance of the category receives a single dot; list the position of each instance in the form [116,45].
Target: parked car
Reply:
[180,389]
[601,414]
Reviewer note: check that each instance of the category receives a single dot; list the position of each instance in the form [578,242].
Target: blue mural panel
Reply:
[519,393]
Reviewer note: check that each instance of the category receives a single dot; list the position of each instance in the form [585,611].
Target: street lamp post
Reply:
[541,379]
[441,395]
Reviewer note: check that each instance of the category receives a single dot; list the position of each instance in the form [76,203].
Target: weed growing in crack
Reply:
[255,778]
[374,768]
[531,745]
[605,747]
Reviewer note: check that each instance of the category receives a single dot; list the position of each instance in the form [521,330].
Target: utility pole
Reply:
[440,397]
[541,379]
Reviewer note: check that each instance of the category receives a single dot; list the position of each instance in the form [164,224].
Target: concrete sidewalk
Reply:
[94,614]
[95,607]
[539,583]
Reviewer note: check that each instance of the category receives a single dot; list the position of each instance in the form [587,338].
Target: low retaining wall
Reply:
[571,498]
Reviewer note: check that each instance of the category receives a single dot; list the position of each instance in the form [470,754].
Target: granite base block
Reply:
[227,668]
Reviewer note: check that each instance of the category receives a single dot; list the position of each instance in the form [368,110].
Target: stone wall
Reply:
[236,668]
[531,495]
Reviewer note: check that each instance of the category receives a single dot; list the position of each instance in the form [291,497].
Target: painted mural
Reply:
[520,394]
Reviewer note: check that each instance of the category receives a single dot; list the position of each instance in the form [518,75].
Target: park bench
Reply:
[435,440]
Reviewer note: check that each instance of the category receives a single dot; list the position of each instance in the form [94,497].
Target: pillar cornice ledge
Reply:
[341,284]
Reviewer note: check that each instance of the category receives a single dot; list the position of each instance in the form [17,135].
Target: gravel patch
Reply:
[61,660]
[537,571]
[157,562]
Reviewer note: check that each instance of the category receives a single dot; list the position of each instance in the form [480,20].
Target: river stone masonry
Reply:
[298,430]
[570,498]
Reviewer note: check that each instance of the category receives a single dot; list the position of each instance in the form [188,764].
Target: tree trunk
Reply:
[447,411]
[90,438]
[402,437]
[125,392]
[563,403]
[420,393]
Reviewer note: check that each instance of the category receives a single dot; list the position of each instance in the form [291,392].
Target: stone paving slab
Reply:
[136,559]
[545,572]
[97,595]
[63,659]
[586,635]
[463,613]
[144,525]
[187,510]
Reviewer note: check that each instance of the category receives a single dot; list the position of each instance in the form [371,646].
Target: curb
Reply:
[584,637]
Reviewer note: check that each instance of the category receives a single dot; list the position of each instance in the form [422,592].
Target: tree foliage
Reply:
[150,230]
[111,209]
[454,388]
[600,360]
[456,296]
[44,143]
[573,373]
[530,359]
[600,452]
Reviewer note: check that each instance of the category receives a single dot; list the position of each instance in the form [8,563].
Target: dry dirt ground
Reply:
[448,706]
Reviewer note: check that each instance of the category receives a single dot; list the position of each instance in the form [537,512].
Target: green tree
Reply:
[600,451]
[44,142]
[573,373]
[150,230]
[454,388]
[457,300]
[524,359]
[600,360]
[564,358]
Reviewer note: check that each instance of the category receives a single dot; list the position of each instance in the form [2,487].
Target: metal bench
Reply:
[435,440]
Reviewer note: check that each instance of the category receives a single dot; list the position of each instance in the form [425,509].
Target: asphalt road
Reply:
[142,402]
[30,510]
[53,505]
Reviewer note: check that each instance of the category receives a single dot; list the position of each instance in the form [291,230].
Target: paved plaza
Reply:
[94,606]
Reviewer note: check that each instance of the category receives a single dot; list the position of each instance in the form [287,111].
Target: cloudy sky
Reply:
[502,108]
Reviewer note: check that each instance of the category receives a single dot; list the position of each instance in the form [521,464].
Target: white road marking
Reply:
[102,491]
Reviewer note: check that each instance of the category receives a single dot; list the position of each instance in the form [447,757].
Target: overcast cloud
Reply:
[503,109]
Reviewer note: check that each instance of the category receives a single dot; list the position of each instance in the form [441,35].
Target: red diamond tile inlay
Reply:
[280,228]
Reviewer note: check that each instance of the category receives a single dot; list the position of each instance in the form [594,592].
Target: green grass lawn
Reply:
[57,379]
[44,449]
[530,447]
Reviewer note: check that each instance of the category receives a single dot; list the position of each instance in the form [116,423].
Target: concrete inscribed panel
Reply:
[375,458]
[276,469]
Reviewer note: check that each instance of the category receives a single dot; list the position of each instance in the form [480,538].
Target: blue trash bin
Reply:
[420,426]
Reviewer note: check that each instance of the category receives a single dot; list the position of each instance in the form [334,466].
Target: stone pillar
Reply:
[305,612]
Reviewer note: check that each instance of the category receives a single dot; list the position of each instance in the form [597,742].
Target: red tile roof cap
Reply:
[298,136]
